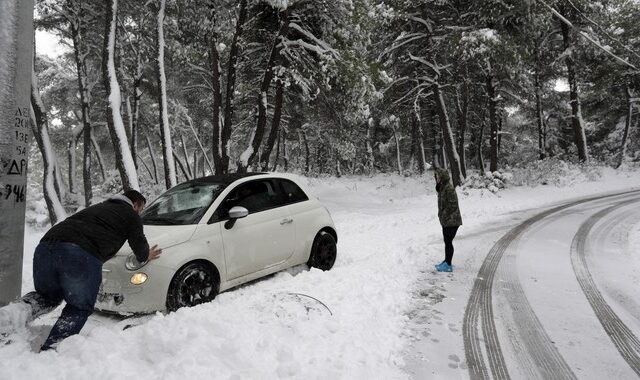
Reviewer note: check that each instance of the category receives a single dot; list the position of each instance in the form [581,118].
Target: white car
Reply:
[216,233]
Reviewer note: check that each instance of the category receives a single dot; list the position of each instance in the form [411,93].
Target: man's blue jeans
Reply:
[64,271]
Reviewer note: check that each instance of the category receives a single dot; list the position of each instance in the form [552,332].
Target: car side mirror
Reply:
[236,212]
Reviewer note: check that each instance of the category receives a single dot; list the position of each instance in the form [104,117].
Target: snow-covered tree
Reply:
[40,128]
[124,161]
[165,129]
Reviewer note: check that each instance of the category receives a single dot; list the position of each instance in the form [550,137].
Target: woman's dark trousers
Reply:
[449,233]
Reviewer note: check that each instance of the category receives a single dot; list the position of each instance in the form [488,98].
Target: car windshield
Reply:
[183,204]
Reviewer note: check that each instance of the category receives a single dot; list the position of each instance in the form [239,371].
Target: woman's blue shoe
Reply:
[444,267]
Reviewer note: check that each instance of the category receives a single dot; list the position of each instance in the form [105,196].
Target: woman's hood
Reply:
[444,175]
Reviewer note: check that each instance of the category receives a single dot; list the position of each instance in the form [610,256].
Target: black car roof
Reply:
[226,179]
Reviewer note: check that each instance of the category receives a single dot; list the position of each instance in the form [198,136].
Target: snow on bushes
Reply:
[491,181]
[555,172]
[551,171]
[36,214]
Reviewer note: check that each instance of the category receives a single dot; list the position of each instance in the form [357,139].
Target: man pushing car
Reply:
[67,264]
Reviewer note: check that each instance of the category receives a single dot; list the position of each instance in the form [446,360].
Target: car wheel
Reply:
[193,284]
[323,252]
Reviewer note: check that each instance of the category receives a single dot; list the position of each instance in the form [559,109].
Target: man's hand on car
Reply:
[154,252]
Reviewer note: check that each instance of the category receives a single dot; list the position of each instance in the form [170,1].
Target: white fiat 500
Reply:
[216,233]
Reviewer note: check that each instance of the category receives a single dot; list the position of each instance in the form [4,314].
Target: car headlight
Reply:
[138,278]
[132,263]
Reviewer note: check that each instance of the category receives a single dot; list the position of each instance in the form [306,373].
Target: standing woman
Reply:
[449,215]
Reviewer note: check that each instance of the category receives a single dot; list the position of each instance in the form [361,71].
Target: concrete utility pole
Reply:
[16,44]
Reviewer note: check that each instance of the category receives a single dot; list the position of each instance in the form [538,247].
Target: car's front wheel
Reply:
[323,251]
[195,283]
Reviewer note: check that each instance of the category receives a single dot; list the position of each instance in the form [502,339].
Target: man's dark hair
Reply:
[135,196]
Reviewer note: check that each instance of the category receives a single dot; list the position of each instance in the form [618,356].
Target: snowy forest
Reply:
[148,94]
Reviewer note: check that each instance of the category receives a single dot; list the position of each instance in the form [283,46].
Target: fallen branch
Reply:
[313,298]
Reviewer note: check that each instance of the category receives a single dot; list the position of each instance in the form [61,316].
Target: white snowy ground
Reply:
[388,314]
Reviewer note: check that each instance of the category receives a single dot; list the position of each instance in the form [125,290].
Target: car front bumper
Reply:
[118,295]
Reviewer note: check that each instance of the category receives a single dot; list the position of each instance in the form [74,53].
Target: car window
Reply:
[183,204]
[292,192]
[255,196]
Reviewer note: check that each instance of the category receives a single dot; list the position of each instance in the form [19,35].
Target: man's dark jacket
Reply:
[103,228]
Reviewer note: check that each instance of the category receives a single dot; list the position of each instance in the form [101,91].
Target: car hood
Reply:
[163,236]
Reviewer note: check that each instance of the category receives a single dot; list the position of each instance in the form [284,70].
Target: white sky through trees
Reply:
[49,44]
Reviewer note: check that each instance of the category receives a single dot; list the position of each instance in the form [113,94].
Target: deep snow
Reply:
[388,314]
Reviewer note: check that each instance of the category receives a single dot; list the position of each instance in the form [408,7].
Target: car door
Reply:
[300,212]
[264,238]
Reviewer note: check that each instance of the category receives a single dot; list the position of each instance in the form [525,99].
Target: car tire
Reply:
[323,252]
[195,283]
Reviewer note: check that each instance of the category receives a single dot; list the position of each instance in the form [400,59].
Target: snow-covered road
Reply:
[553,298]
[388,314]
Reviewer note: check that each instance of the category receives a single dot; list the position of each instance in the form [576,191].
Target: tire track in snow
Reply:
[480,307]
[539,355]
[622,337]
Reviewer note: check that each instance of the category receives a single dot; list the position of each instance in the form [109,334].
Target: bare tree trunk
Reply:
[124,161]
[481,143]
[231,85]
[275,125]
[369,141]
[462,107]
[40,128]
[71,159]
[186,156]
[16,36]
[419,136]
[577,122]
[396,138]
[443,153]
[80,53]
[493,123]
[320,162]
[127,108]
[58,183]
[153,159]
[434,138]
[182,166]
[165,131]
[275,162]
[86,167]
[285,153]
[137,95]
[214,56]
[305,142]
[447,136]
[545,128]
[96,149]
[411,162]
[247,157]
[148,169]
[539,110]
[627,126]
[500,123]
[195,163]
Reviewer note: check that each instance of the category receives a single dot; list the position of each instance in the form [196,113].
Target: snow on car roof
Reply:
[226,179]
